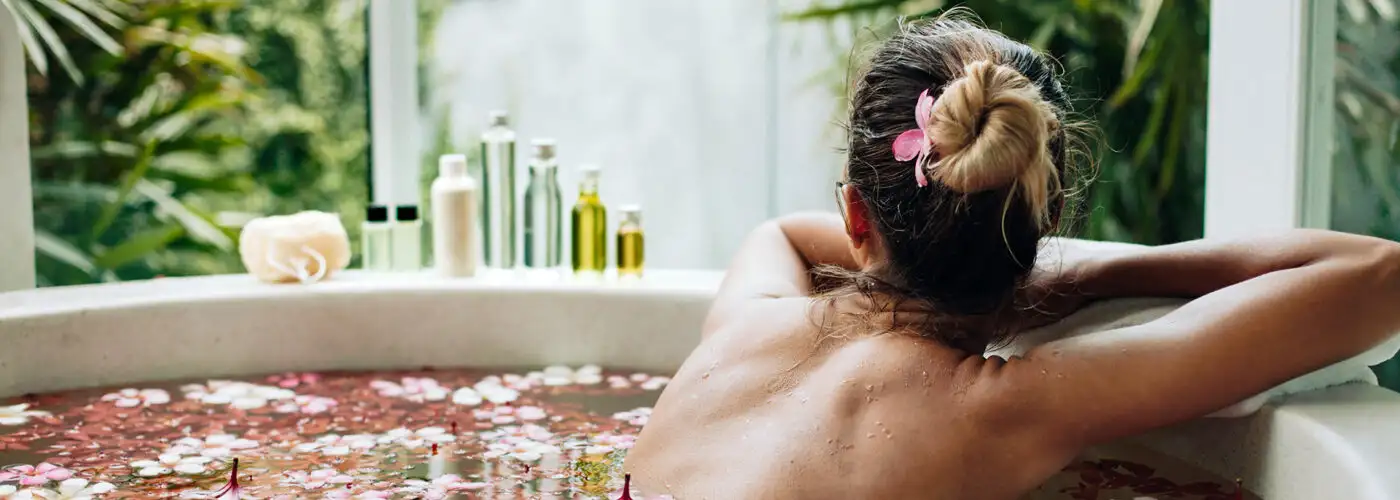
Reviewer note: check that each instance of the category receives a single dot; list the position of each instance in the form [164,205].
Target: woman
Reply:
[843,355]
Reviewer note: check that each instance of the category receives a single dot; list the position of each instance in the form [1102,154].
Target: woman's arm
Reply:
[1270,309]
[775,262]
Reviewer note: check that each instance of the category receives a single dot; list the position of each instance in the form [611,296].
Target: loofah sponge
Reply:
[305,247]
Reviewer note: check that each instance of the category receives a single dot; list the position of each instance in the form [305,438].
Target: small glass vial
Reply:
[590,229]
[631,243]
[544,210]
[407,239]
[376,240]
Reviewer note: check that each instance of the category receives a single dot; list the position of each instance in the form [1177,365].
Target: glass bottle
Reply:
[544,209]
[498,192]
[631,247]
[590,227]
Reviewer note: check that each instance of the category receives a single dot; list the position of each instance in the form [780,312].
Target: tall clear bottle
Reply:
[544,209]
[590,242]
[498,192]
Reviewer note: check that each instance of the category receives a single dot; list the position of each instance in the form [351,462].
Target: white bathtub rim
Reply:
[1340,424]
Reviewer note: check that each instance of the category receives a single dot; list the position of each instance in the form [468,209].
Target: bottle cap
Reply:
[406,213]
[452,165]
[500,118]
[591,172]
[631,213]
[544,148]
[376,213]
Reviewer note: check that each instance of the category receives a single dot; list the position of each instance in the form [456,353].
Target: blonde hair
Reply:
[992,129]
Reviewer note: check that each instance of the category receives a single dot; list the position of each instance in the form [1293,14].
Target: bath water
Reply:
[553,433]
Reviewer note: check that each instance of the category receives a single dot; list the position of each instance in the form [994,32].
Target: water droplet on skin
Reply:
[706,375]
[870,435]
[869,388]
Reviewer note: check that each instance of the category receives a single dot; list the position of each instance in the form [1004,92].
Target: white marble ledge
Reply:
[59,300]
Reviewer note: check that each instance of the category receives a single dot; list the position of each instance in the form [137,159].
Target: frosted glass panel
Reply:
[705,113]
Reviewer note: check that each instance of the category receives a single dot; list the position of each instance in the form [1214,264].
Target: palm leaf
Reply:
[38,35]
[58,249]
[139,245]
[81,22]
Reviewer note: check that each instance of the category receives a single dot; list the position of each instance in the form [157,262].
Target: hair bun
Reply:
[991,129]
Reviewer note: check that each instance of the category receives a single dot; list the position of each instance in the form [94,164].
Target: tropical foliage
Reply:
[149,151]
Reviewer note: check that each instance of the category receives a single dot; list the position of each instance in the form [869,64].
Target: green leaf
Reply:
[81,22]
[50,38]
[26,38]
[58,249]
[1147,18]
[74,150]
[139,246]
[107,14]
[1141,73]
[201,227]
[110,211]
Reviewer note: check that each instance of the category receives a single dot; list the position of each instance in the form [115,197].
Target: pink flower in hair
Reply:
[916,144]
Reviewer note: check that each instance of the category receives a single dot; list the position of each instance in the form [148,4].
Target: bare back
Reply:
[774,408]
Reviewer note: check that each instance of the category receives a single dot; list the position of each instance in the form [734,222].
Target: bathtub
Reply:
[1340,443]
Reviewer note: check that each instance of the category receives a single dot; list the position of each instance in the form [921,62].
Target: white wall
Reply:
[16,209]
[712,115]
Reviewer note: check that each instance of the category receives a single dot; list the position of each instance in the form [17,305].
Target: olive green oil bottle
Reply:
[590,228]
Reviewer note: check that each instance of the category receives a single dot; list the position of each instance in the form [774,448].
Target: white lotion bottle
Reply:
[456,223]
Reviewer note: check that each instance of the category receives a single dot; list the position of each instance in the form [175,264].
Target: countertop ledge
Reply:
[70,299]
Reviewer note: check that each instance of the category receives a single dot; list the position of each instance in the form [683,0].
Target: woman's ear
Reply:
[857,216]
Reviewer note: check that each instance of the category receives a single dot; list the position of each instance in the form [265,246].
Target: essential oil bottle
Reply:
[376,240]
[498,189]
[407,239]
[590,228]
[631,247]
[544,210]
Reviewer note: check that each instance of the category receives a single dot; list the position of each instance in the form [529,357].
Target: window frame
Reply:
[1272,67]
[16,203]
[395,163]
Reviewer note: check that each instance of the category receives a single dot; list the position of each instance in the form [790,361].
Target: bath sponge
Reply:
[304,247]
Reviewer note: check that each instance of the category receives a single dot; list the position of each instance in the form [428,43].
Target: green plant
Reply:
[1139,68]
[89,19]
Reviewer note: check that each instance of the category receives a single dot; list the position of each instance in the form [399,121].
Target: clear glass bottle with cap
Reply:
[544,209]
[498,193]
[590,229]
[631,243]
[377,240]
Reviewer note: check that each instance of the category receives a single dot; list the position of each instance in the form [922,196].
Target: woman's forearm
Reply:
[1195,268]
[820,238]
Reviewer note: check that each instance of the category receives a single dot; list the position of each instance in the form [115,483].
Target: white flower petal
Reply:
[216,399]
[102,487]
[152,471]
[13,420]
[141,464]
[188,468]
[248,403]
[336,451]
[242,444]
[466,396]
[169,458]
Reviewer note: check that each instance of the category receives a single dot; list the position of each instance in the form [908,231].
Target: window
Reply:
[155,130]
